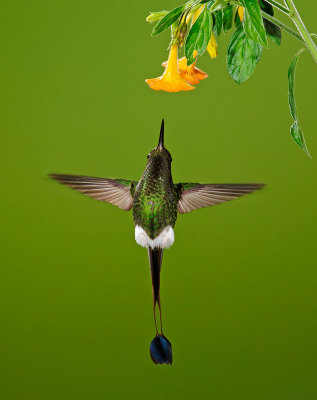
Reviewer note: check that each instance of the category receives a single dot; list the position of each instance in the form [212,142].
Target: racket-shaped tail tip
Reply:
[161,350]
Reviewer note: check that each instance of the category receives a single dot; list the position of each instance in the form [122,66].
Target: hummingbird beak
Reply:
[160,145]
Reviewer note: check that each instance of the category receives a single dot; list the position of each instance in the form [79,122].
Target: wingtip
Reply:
[253,187]
[52,176]
[261,185]
[61,178]
[55,177]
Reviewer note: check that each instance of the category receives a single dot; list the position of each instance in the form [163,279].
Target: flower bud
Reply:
[156,16]
[180,33]
[161,350]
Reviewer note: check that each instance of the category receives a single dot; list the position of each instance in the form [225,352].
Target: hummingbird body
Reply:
[156,201]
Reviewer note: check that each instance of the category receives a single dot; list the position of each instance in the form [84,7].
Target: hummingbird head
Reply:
[160,151]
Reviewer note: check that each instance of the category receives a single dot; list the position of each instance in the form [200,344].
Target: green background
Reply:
[239,284]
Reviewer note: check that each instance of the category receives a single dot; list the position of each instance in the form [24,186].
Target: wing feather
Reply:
[113,191]
[194,195]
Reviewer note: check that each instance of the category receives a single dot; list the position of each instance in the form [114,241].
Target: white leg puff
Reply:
[163,241]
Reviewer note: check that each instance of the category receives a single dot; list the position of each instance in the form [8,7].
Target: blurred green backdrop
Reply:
[238,286]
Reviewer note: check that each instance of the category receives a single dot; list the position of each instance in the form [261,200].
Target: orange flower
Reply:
[212,47]
[241,12]
[171,80]
[190,73]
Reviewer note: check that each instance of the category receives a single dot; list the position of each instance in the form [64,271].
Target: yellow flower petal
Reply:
[197,13]
[171,80]
[212,47]
[199,73]
[241,12]
[191,73]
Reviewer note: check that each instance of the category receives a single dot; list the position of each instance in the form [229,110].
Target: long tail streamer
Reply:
[161,348]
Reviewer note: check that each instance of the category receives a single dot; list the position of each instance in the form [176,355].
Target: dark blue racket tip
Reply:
[161,350]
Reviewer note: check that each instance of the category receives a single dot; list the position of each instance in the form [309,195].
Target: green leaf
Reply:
[296,130]
[253,22]
[217,22]
[237,19]
[267,7]
[227,16]
[297,135]
[199,36]
[168,20]
[273,31]
[216,19]
[155,16]
[242,56]
[291,84]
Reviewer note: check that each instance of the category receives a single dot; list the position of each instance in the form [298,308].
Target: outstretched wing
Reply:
[118,192]
[194,195]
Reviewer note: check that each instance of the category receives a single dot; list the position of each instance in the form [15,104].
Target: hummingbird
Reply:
[156,201]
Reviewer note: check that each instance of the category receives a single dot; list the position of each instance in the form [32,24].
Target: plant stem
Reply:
[310,44]
[280,7]
[283,26]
